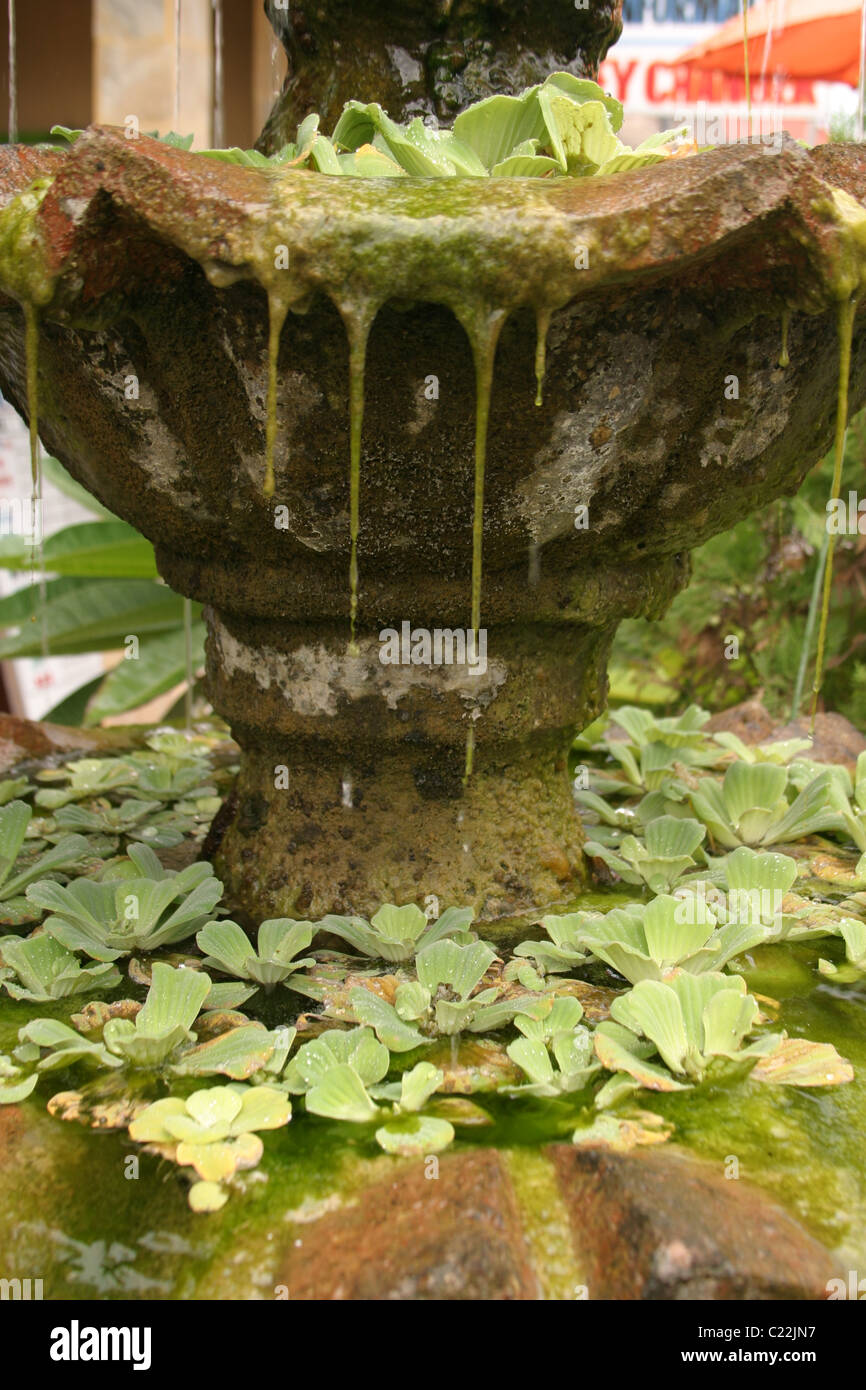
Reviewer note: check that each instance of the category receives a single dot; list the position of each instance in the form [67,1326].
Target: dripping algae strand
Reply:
[484,351]
[359,331]
[277,311]
[845,332]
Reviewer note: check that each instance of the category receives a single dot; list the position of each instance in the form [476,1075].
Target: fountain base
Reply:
[348,835]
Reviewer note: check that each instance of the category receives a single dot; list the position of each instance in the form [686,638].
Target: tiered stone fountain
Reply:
[659,286]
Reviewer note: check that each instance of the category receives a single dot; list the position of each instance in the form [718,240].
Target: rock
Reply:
[24,739]
[835,738]
[749,721]
[454,1237]
[663,1225]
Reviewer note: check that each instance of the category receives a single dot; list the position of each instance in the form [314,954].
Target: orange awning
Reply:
[816,39]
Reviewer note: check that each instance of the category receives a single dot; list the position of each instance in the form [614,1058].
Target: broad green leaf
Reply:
[340,1095]
[413,1135]
[97,549]
[390,1028]
[160,666]
[91,616]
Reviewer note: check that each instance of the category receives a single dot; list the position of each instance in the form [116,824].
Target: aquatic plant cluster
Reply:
[563,126]
[197,1034]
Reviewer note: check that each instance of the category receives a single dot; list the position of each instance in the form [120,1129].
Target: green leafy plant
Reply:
[107,920]
[270,962]
[411,1133]
[555,1027]
[664,855]
[651,942]
[565,950]
[15,1085]
[397,933]
[38,969]
[442,1001]
[70,850]
[697,1023]
[212,1132]
[106,587]
[335,1071]
[750,806]
[159,1035]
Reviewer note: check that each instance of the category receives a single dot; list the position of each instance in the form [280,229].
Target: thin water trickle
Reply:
[346,790]
[219,131]
[176,115]
[543,315]
[13,77]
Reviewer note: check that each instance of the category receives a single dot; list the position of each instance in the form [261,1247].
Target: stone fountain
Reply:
[666,417]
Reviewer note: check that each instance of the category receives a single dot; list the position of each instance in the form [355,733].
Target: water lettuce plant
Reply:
[271,961]
[697,1024]
[397,933]
[334,1071]
[134,819]
[650,942]
[155,907]
[69,851]
[555,1027]
[213,1132]
[159,1035]
[749,807]
[15,1084]
[565,950]
[664,855]
[38,969]
[85,777]
[410,1133]
[442,1001]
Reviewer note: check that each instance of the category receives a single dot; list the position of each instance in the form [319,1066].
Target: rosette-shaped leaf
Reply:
[663,856]
[111,919]
[750,806]
[693,1021]
[270,962]
[212,1132]
[45,970]
[650,942]
[15,817]
[397,933]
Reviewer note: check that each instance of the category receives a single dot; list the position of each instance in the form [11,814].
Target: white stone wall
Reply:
[134,65]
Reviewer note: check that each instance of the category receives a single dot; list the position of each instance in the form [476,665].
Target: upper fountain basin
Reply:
[665,411]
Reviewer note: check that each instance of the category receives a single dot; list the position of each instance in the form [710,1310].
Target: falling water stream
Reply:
[177,18]
[13,77]
[219,131]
